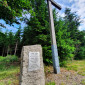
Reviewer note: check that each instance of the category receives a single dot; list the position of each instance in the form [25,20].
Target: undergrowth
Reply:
[77,65]
[9,70]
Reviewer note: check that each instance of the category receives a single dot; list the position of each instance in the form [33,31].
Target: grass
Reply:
[9,72]
[77,65]
[83,82]
[62,83]
[10,75]
[51,83]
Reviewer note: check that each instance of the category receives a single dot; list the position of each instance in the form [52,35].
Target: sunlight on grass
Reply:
[9,73]
[78,66]
[10,76]
[62,83]
[51,83]
[9,82]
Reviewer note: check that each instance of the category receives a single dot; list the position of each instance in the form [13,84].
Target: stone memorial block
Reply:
[32,69]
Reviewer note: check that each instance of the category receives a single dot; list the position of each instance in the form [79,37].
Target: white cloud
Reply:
[79,7]
[75,6]
[63,14]
[82,27]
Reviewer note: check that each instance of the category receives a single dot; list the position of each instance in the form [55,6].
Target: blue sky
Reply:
[11,28]
[15,26]
[8,27]
[75,6]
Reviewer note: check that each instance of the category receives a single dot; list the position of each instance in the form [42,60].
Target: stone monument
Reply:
[32,69]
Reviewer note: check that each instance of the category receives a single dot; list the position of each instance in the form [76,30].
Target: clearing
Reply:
[72,74]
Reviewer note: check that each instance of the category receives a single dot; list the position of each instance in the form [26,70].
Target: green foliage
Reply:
[2,41]
[2,59]
[9,58]
[9,42]
[81,53]
[63,63]
[47,56]
[10,9]
[77,36]
[65,44]
[81,47]
[69,42]
[12,58]
[51,83]
[37,31]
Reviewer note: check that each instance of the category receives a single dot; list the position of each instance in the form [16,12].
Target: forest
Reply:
[70,40]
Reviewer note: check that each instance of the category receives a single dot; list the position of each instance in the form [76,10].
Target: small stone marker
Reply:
[32,69]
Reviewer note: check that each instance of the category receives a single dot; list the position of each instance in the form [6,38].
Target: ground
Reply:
[72,74]
[65,77]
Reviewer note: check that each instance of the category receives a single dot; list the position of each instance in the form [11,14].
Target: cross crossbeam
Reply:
[55,4]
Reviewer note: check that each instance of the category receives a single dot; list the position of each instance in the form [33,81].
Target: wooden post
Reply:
[53,37]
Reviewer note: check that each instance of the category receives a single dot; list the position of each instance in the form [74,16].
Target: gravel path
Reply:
[65,77]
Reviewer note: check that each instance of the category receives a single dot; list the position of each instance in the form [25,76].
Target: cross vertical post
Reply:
[53,37]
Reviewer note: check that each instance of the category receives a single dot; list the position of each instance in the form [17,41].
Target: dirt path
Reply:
[65,77]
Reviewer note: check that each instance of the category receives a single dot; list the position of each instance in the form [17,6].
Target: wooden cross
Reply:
[53,37]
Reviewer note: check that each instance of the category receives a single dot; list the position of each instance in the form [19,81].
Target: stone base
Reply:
[30,76]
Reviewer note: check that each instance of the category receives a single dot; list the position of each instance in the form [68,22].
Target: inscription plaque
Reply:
[34,61]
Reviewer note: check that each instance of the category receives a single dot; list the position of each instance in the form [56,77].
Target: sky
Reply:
[77,6]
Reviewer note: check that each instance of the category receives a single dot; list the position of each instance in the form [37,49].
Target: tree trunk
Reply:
[16,48]
[8,50]
[3,52]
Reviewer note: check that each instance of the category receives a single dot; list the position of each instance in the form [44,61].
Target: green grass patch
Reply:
[62,83]
[77,65]
[51,83]
[9,71]
[8,59]
[10,76]
[83,82]
[9,82]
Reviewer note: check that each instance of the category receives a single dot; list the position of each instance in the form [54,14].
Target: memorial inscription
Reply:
[34,61]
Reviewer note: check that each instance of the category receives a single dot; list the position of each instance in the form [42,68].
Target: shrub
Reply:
[2,59]
[63,63]
[9,58]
